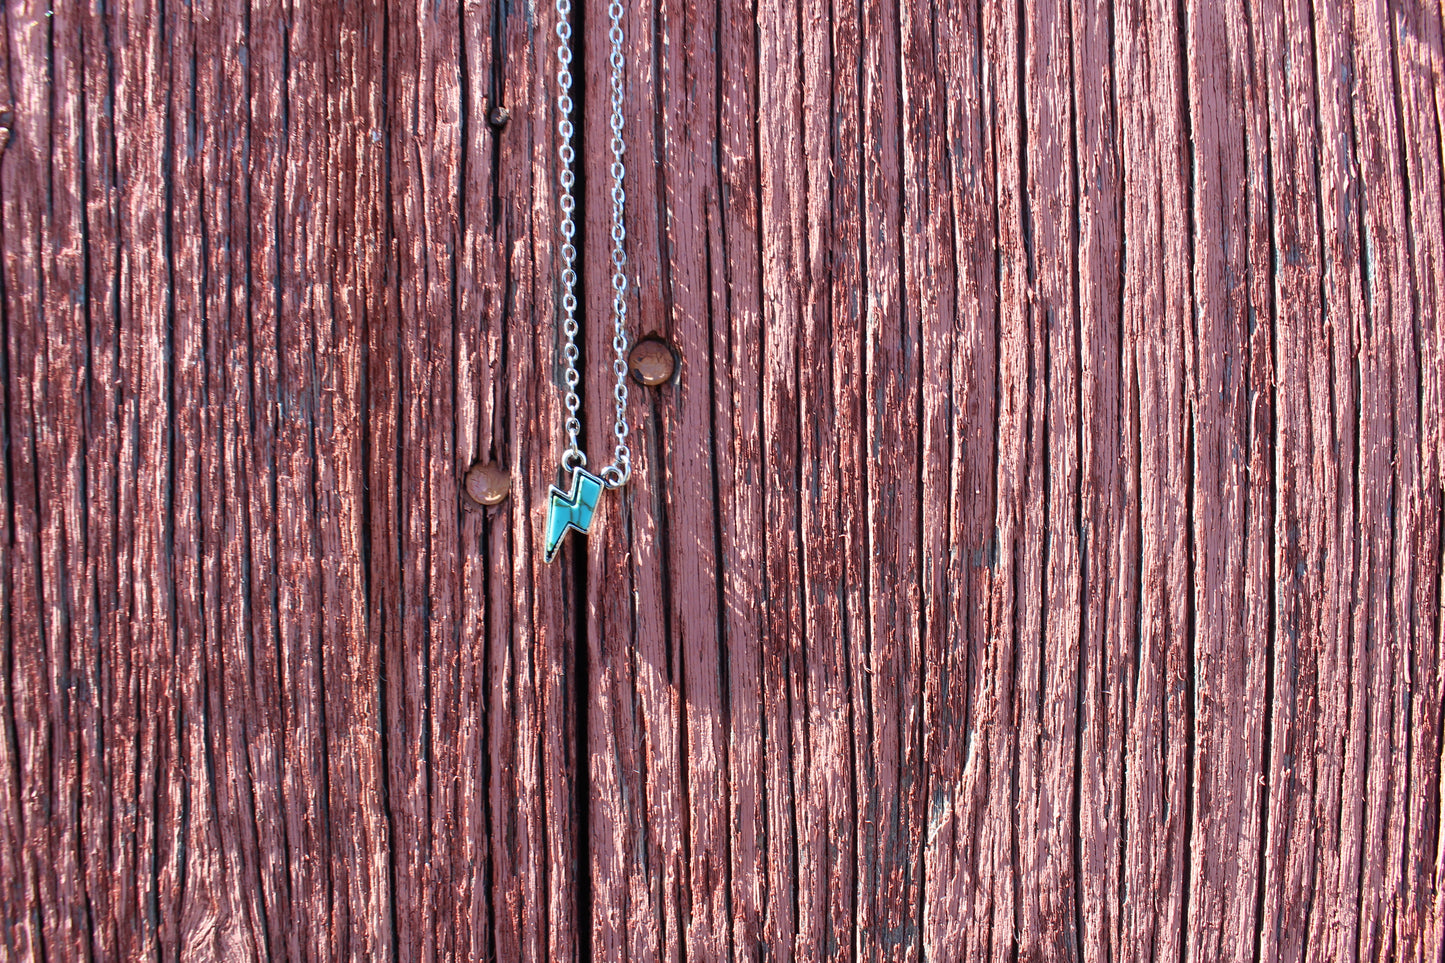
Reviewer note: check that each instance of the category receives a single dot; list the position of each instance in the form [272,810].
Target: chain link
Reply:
[616,474]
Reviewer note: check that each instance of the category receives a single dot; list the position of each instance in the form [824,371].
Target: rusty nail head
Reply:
[652,361]
[487,483]
[498,117]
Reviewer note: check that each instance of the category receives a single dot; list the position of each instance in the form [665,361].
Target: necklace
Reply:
[572,509]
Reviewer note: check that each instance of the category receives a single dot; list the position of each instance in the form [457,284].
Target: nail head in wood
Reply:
[498,117]
[652,361]
[487,484]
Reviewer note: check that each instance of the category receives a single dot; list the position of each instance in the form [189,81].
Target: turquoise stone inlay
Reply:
[571,509]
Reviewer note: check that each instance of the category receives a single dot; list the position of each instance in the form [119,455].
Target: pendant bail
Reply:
[574,458]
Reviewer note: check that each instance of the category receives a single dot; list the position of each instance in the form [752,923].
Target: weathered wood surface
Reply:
[1038,555]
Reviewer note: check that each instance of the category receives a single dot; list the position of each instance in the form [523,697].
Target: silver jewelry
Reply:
[572,510]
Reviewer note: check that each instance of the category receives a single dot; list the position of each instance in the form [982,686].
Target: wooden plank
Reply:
[1157,707]
[1418,42]
[1037,554]
[204,922]
[149,921]
[227,918]
[484,548]
[1335,919]
[535,634]
[482,658]
[422,108]
[350,175]
[959,499]
[840,484]
[44,283]
[302,193]
[19,933]
[890,788]
[1048,652]
[1108,523]
[263,696]
[638,633]
[780,243]
[736,306]
[660,664]
[1301,373]
[1227,350]
[834,811]
[1389,492]
[109,874]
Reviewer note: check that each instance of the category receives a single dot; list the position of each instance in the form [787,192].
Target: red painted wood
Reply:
[1037,554]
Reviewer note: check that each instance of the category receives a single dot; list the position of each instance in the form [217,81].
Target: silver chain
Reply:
[616,474]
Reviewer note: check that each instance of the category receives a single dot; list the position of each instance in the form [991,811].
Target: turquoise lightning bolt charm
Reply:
[571,510]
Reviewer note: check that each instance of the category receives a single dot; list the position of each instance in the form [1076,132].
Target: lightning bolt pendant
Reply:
[570,510]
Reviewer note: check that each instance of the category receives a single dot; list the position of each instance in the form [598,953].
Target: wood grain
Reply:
[1036,556]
